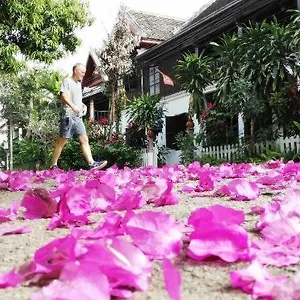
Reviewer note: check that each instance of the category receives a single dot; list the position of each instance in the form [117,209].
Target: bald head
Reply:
[78,72]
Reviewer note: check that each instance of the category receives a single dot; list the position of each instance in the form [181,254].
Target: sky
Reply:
[105,13]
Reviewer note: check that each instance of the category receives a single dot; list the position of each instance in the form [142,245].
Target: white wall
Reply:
[175,104]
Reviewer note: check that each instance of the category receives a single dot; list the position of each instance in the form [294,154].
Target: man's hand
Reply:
[66,100]
[75,109]
[84,109]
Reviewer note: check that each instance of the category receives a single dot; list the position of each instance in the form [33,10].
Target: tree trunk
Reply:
[29,131]
[10,131]
[252,128]
[112,106]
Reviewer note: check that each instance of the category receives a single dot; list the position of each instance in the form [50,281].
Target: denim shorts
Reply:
[71,127]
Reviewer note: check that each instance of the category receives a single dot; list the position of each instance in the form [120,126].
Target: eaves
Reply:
[204,29]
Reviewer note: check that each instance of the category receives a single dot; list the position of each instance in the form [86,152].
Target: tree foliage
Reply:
[265,54]
[249,67]
[116,59]
[40,30]
[31,100]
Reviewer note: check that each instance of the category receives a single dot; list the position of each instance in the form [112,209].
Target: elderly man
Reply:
[71,123]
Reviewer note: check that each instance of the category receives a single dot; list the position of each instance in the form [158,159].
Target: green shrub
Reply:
[116,153]
[186,144]
[29,154]
[162,155]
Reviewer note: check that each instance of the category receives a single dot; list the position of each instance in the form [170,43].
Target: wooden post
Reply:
[142,82]
[92,109]
[241,128]
[298,4]
[150,151]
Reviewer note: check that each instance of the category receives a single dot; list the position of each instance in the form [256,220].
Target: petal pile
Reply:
[115,257]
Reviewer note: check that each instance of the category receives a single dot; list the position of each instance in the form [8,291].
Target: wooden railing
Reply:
[101,114]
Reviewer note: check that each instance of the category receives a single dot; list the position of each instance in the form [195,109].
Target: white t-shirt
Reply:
[73,90]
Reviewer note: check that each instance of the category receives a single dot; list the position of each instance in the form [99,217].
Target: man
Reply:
[71,123]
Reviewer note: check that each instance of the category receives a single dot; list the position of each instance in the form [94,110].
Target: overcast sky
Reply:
[105,14]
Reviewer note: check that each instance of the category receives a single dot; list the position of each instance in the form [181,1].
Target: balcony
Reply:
[99,114]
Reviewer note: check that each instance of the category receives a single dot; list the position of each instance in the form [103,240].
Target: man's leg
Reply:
[85,146]
[65,133]
[86,149]
[60,143]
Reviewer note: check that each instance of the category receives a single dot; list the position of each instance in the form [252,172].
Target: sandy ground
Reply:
[201,280]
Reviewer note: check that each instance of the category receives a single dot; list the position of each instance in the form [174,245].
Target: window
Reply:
[154,80]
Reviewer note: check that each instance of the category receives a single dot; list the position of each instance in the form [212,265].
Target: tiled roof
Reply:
[206,10]
[153,26]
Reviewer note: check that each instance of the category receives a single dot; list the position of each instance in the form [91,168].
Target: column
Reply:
[92,110]
[241,128]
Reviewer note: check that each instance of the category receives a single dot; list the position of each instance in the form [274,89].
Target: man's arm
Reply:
[66,100]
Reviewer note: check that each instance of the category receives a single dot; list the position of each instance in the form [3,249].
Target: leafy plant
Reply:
[264,54]
[271,154]
[186,144]
[162,155]
[211,160]
[30,154]
[135,137]
[195,74]
[112,148]
[145,111]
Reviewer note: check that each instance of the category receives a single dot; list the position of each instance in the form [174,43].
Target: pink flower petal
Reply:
[172,279]
[229,242]
[38,204]
[122,262]
[10,279]
[19,181]
[216,213]
[121,293]
[155,233]
[160,192]
[128,200]
[109,228]
[255,280]
[57,253]
[243,190]
[206,181]
[102,195]
[83,281]
[5,230]
[9,214]
[78,200]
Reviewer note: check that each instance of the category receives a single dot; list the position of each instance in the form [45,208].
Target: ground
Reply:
[201,280]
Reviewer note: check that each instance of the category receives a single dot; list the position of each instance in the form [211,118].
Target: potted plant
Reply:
[190,124]
[147,113]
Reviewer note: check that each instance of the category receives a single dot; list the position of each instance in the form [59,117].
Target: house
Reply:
[220,16]
[163,41]
[152,29]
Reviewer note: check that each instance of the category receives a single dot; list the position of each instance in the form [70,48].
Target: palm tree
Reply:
[195,74]
[145,111]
